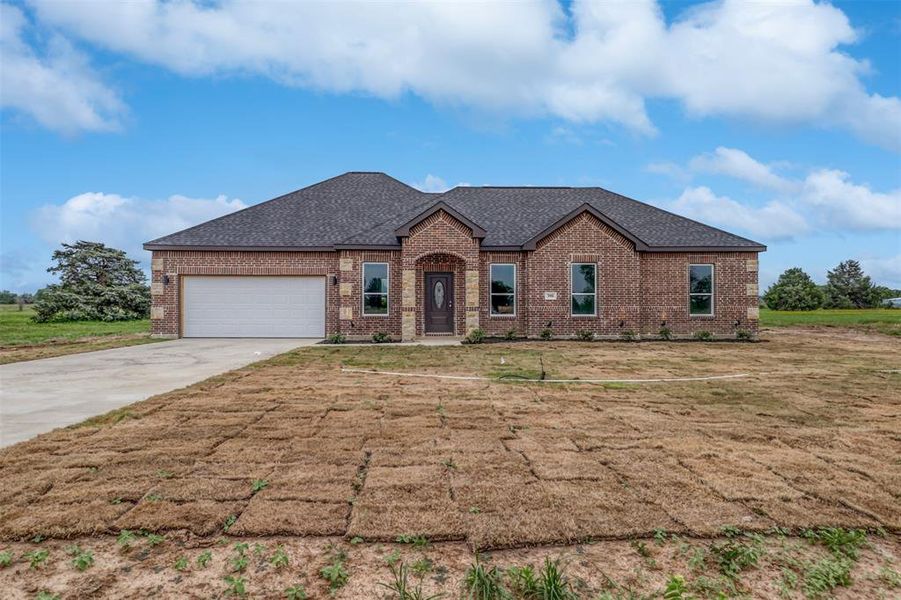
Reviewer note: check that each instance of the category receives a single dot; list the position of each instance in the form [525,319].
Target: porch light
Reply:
[165,280]
[333,279]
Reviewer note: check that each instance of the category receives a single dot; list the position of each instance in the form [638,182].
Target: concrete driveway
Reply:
[40,395]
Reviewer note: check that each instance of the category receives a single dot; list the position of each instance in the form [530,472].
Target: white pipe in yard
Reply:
[480,378]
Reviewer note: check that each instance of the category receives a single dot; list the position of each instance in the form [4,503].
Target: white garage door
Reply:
[254,306]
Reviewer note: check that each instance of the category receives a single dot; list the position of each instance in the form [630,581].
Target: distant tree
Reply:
[97,283]
[881,293]
[7,297]
[848,287]
[794,290]
[38,294]
[25,298]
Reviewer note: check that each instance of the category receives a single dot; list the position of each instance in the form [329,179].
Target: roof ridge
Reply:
[285,195]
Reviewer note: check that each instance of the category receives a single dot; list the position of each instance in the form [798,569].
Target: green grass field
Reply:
[17,328]
[883,320]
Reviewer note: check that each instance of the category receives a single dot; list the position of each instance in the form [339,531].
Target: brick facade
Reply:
[636,291]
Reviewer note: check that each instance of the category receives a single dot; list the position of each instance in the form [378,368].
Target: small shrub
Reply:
[258,485]
[203,560]
[734,556]
[45,595]
[675,588]
[418,541]
[510,334]
[181,563]
[546,333]
[335,573]
[126,539]
[401,588]
[393,557]
[380,337]
[6,559]
[296,592]
[229,521]
[665,333]
[154,539]
[743,335]
[279,558]
[36,558]
[628,336]
[823,576]
[82,560]
[481,583]
[702,336]
[522,582]
[553,582]
[839,541]
[585,335]
[476,336]
[337,338]
[890,577]
[237,586]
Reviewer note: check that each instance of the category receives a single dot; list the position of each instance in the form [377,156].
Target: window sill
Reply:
[501,316]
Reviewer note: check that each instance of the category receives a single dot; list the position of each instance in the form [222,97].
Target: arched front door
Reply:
[439,302]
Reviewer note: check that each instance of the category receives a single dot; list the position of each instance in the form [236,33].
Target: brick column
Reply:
[472,298]
[408,304]
[751,291]
[345,291]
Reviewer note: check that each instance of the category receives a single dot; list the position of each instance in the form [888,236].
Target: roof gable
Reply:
[532,243]
[404,230]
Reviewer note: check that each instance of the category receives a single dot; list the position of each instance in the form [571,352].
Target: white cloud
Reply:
[773,62]
[774,221]
[883,270]
[738,164]
[124,222]
[839,203]
[58,88]
[669,169]
[431,183]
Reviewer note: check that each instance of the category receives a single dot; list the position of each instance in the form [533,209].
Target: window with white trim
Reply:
[503,290]
[375,289]
[582,289]
[700,290]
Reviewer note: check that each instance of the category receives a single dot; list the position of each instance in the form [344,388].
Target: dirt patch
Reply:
[181,566]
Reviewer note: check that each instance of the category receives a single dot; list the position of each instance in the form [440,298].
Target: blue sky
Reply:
[780,122]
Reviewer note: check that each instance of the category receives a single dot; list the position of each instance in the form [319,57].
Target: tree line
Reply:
[847,286]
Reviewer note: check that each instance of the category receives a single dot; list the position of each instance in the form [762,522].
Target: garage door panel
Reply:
[221,306]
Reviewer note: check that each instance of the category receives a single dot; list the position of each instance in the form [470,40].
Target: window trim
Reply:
[712,292]
[571,293]
[491,312]
[386,293]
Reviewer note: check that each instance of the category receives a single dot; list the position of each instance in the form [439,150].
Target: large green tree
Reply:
[96,283]
[794,290]
[848,287]
[7,297]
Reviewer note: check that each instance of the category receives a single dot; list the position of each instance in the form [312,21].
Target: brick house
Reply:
[363,253]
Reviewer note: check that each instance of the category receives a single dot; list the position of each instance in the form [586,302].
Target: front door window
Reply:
[439,295]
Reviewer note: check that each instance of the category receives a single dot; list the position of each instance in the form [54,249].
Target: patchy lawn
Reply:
[882,320]
[295,448]
[23,339]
